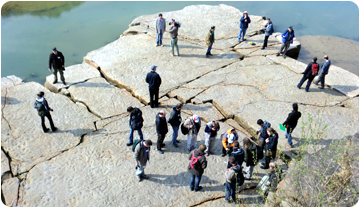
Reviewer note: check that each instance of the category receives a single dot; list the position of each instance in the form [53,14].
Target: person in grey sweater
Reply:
[269,29]
[324,72]
[173,34]
[160,26]
[142,155]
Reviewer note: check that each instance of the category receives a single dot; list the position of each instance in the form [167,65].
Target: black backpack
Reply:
[40,108]
[184,130]
[260,153]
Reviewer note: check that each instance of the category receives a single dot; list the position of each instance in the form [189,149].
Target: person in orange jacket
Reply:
[228,141]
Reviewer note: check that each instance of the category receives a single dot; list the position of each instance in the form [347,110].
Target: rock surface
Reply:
[10,190]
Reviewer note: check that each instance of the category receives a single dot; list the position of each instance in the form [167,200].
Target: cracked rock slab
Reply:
[184,94]
[4,163]
[24,140]
[10,189]
[102,98]
[73,74]
[124,65]
[207,112]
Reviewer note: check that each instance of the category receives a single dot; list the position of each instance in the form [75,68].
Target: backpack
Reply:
[239,178]
[260,153]
[137,141]
[40,108]
[315,69]
[194,161]
[264,184]
[184,130]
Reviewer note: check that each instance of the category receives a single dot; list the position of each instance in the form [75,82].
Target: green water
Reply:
[29,33]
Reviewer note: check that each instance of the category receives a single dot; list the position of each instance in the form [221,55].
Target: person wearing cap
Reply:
[210,40]
[287,37]
[154,81]
[291,123]
[210,133]
[57,61]
[309,74]
[244,24]
[324,72]
[160,26]
[193,123]
[173,34]
[161,129]
[269,29]
[228,141]
[44,111]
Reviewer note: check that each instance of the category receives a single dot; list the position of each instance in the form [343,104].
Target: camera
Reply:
[177,24]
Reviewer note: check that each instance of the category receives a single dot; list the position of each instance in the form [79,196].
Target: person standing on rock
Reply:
[228,142]
[161,129]
[57,61]
[193,124]
[160,26]
[210,40]
[244,24]
[210,133]
[262,132]
[136,123]
[196,167]
[173,34]
[309,74]
[238,153]
[270,147]
[154,81]
[287,38]
[231,176]
[142,155]
[41,105]
[291,123]
[175,121]
[324,72]
[250,157]
[269,29]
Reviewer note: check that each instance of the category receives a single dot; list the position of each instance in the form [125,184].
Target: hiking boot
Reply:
[278,54]
[177,141]
[191,189]
[55,129]
[46,130]
[64,82]
[200,187]
[54,82]
[210,54]
[157,45]
[175,145]
[145,176]
[129,144]
[223,155]
[161,152]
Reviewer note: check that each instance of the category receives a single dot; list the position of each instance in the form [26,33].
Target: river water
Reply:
[29,30]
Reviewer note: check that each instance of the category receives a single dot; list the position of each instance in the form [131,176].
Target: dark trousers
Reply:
[154,93]
[160,140]
[285,45]
[265,41]
[192,181]
[321,79]
[227,152]
[47,114]
[269,155]
[208,50]
[304,78]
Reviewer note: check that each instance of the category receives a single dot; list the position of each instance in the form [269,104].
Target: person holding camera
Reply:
[173,34]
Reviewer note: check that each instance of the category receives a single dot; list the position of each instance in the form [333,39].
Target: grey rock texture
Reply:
[10,190]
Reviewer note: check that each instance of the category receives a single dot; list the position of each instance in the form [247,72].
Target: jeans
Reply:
[154,102]
[209,142]
[230,190]
[140,171]
[321,79]
[131,136]
[173,43]
[198,179]
[159,37]
[175,134]
[242,32]
[265,41]
[304,78]
[48,115]
[209,49]
[288,135]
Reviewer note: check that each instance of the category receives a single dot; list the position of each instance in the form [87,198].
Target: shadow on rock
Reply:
[9,101]
[78,132]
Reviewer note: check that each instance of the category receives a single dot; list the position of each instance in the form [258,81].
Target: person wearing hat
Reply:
[287,37]
[173,34]
[210,40]
[193,123]
[154,81]
[244,24]
[228,141]
[160,26]
[43,108]
[309,74]
[57,61]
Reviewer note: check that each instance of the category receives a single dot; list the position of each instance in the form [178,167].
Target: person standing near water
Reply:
[244,24]
[57,60]
[287,38]
[173,34]
[41,105]
[324,72]
[269,29]
[154,81]
[210,40]
[160,27]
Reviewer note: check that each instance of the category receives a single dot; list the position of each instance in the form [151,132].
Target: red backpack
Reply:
[194,161]
[315,69]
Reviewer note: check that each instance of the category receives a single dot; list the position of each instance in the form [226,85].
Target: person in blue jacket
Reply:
[324,72]
[287,38]
[269,29]
[270,147]
[244,24]
[309,74]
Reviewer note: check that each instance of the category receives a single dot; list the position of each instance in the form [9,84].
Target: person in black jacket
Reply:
[161,129]
[44,110]
[175,121]
[57,61]
[270,147]
[309,74]
[250,157]
[291,123]
[238,153]
[154,81]
[135,122]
